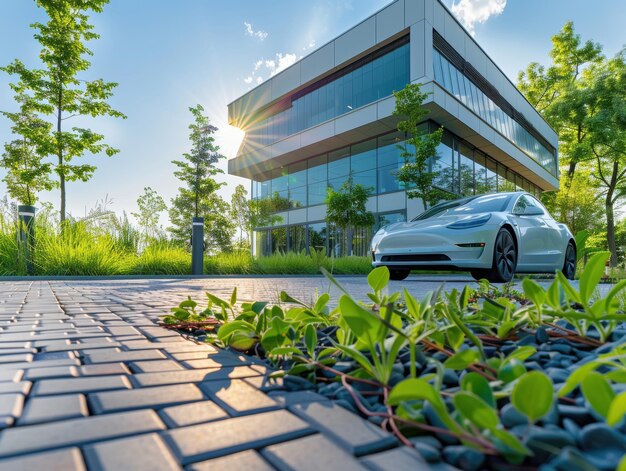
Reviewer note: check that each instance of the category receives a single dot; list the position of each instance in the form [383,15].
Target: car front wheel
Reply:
[398,275]
[504,258]
[569,265]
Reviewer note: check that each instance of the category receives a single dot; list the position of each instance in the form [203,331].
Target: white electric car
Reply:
[492,236]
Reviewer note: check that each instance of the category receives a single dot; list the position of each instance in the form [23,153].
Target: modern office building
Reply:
[329,116]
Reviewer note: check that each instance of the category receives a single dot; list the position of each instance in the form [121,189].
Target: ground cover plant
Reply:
[481,379]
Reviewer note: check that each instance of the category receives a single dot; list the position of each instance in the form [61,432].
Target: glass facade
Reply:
[461,170]
[365,84]
[455,82]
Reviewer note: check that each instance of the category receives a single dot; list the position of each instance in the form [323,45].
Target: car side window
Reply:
[540,205]
[526,201]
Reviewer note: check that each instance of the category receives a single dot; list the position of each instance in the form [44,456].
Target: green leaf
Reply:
[477,411]
[362,322]
[455,337]
[533,395]
[358,357]
[234,326]
[509,371]
[477,384]
[598,392]
[378,278]
[181,314]
[462,359]
[533,291]
[521,353]
[617,410]
[258,306]
[281,351]
[321,302]
[553,295]
[233,297]
[591,275]
[310,339]
[286,298]
[567,287]
[510,444]
[218,301]
[493,309]
[243,341]
[622,464]
[576,377]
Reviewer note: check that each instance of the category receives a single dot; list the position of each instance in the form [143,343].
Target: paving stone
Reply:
[265,383]
[287,398]
[311,454]
[53,356]
[13,351]
[6,421]
[191,376]
[80,385]
[245,460]
[80,346]
[125,356]
[33,374]
[192,413]
[238,398]
[19,440]
[205,441]
[356,435]
[40,364]
[122,330]
[398,458]
[215,361]
[16,358]
[154,365]
[21,387]
[68,459]
[142,453]
[171,347]
[103,369]
[11,404]
[11,375]
[48,409]
[158,332]
[190,355]
[162,396]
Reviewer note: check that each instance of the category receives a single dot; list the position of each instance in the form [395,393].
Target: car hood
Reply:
[431,223]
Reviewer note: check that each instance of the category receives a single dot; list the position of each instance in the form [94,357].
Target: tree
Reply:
[608,137]
[150,205]
[240,214]
[346,209]
[27,173]
[58,93]
[577,204]
[198,196]
[419,149]
[559,93]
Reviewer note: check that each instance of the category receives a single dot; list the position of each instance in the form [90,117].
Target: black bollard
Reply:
[197,246]
[26,235]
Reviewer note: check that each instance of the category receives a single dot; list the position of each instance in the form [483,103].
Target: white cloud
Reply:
[248,79]
[271,66]
[470,12]
[260,35]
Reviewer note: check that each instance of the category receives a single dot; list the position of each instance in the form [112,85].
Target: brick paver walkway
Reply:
[89,381]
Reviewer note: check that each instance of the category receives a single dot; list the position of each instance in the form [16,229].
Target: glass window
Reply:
[317,169]
[262,242]
[297,174]
[317,236]
[466,171]
[363,156]
[279,240]
[391,218]
[387,179]
[367,179]
[339,163]
[469,205]
[317,193]
[297,196]
[297,238]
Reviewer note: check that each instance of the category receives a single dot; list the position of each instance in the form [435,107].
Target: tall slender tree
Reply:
[198,196]
[150,206]
[240,214]
[419,148]
[59,93]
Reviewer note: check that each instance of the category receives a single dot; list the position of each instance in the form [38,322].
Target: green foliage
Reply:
[419,149]
[533,395]
[198,197]
[56,92]
[240,214]
[150,206]
[346,208]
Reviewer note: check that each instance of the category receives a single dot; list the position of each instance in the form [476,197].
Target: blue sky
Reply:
[169,55]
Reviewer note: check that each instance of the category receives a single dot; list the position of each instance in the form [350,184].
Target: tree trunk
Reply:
[60,156]
[610,217]
[349,237]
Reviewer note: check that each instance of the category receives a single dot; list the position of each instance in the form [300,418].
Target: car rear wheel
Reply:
[569,265]
[398,275]
[504,258]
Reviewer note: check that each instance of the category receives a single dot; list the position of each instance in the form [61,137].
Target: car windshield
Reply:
[472,205]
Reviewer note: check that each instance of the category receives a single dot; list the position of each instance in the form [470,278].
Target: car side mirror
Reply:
[531,211]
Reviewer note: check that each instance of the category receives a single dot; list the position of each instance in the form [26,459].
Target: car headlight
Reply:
[469,222]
